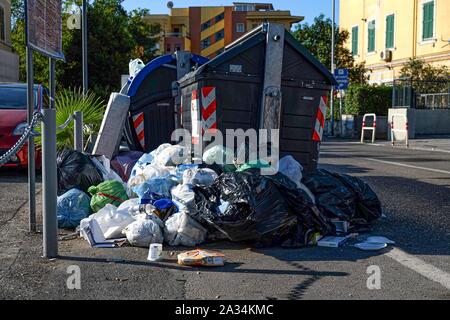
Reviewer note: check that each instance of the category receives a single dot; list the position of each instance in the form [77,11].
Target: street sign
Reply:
[341,76]
[45,27]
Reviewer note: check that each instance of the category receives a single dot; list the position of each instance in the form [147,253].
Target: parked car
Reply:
[13,119]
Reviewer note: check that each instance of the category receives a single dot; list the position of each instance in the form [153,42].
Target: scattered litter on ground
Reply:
[154,252]
[332,242]
[200,257]
[367,246]
[147,199]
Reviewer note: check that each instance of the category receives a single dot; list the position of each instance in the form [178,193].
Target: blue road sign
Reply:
[341,76]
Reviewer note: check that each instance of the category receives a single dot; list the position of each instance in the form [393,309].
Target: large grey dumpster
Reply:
[235,79]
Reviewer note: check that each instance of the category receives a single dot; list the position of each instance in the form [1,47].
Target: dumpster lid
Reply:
[253,38]
[153,65]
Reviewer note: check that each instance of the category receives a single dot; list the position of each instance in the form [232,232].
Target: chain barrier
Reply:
[4,158]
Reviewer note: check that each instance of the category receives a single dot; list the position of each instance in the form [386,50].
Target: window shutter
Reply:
[428,20]
[355,41]
[390,31]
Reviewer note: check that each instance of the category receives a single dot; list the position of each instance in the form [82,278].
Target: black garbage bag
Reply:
[368,206]
[344,197]
[76,170]
[246,206]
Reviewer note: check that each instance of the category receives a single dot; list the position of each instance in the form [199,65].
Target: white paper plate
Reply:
[377,239]
[367,246]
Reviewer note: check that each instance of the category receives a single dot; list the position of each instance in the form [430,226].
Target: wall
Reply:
[421,122]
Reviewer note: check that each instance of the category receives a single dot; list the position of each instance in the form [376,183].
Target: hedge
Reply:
[363,98]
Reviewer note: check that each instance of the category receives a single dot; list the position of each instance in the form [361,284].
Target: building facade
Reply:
[207,30]
[386,33]
[9,61]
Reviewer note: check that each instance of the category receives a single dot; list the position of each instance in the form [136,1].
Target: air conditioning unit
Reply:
[386,55]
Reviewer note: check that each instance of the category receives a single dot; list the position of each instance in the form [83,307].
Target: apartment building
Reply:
[207,30]
[386,33]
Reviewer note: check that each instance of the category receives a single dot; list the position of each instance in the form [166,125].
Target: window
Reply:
[240,27]
[355,41]
[2,24]
[206,25]
[220,35]
[428,20]
[219,17]
[205,43]
[371,37]
[168,48]
[390,21]
[176,30]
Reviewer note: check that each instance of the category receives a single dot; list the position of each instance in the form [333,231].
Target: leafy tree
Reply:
[316,37]
[115,37]
[420,70]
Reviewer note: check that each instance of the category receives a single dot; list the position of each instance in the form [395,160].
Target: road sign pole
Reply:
[31,151]
[49,173]
[84,47]
[340,113]
[49,184]
[332,68]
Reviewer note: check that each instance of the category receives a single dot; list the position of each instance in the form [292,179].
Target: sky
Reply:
[307,8]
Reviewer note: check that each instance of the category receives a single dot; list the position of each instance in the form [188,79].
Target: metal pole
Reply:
[340,113]
[78,131]
[332,67]
[31,151]
[84,47]
[52,85]
[49,184]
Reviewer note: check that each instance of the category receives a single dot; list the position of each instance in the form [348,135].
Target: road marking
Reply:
[408,165]
[421,267]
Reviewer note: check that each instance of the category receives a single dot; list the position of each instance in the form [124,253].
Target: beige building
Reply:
[387,33]
[9,61]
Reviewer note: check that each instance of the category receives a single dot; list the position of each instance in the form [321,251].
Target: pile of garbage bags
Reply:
[161,196]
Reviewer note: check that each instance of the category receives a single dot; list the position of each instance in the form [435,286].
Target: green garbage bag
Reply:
[111,191]
[258,164]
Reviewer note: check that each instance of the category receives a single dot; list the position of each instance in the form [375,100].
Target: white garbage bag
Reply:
[155,171]
[181,229]
[291,169]
[130,206]
[110,220]
[217,154]
[199,177]
[135,66]
[144,231]
[172,155]
[184,197]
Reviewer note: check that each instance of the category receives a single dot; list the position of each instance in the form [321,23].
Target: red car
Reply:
[13,120]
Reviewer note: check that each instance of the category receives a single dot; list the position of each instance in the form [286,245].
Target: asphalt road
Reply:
[414,187]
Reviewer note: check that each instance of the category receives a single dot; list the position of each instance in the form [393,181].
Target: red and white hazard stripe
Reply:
[209,106]
[320,119]
[138,124]
[195,119]
[204,119]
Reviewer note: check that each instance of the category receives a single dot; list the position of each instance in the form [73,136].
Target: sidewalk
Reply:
[430,144]
[441,144]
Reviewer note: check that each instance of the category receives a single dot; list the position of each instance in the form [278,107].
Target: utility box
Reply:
[153,111]
[238,83]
